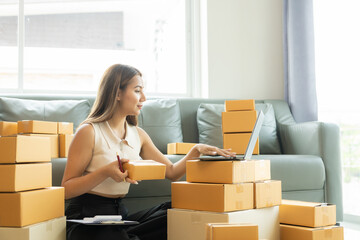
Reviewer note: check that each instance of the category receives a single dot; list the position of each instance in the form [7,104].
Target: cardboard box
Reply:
[64,144]
[238,121]
[267,193]
[65,128]
[25,176]
[179,148]
[191,224]
[289,232]
[54,142]
[212,197]
[238,142]
[227,171]
[308,214]
[20,149]
[145,169]
[232,231]
[24,208]
[239,105]
[34,126]
[54,229]
[8,128]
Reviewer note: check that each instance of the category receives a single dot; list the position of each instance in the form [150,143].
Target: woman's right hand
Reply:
[115,173]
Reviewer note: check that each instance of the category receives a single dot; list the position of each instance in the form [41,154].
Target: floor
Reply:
[351,231]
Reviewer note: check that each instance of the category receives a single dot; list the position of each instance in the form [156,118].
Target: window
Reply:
[337,52]
[65,46]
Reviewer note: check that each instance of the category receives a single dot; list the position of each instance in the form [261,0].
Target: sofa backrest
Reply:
[161,132]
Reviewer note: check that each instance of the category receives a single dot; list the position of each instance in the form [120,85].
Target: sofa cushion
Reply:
[210,132]
[161,119]
[14,109]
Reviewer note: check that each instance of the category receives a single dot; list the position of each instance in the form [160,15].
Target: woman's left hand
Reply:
[212,150]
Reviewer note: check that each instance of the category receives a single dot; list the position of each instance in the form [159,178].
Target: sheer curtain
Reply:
[299,60]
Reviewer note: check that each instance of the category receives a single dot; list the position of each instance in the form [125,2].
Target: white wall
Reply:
[245,55]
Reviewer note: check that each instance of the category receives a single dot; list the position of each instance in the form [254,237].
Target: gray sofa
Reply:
[304,156]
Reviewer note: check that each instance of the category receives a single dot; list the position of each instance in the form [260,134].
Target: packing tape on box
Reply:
[239,205]
[49,226]
[325,214]
[328,233]
[239,188]
[195,218]
[268,192]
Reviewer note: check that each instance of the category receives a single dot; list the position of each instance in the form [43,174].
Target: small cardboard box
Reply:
[65,128]
[20,149]
[191,224]
[238,121]
[24,208]
[145,169]
[267,193]
[64,144]
[227,171]
[232,231]
[8,128]
[238,142]
[212,197]
[179,148]
[289,232]
[308,214]
[34,126]
[239,105]
[54,229]
[54,142]
[25,176]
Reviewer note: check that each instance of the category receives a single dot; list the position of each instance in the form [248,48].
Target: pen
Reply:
[119,161]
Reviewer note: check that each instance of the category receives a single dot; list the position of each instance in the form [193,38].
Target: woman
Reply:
[92,179]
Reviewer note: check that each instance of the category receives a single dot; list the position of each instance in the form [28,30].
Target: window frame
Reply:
[193,56]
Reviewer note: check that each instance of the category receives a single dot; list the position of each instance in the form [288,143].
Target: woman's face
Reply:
[132,97]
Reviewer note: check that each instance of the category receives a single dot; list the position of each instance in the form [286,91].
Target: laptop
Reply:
[250,147]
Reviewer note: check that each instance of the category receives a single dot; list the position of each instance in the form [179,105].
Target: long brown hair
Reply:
[115,78]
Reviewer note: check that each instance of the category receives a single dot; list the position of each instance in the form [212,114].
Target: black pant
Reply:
[153,221]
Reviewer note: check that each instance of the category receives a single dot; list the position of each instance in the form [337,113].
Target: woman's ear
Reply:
[118,97]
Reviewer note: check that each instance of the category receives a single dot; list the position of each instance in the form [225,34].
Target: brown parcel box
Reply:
[179,148]
[308,214]
[21,149]
[238,142]
[232,231]
[24,176]
[54,142]
[8,128]
[191,225]
[239,105]
[54,229]
[227,171]
[64,144]
[267,193]
[34,126]
[65,128]
[212,197]
[239,121]
[145,169]
[24,208]
[289,232]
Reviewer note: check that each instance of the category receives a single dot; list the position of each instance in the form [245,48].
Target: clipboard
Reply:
[103,223]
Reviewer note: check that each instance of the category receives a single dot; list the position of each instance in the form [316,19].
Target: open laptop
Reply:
[250,147]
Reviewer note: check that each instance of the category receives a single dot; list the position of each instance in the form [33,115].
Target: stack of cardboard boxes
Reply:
[29,207]
[59,133]
[225,198]
[308,221]
[238,121]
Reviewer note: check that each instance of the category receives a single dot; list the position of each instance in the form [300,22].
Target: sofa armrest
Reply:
[321,139]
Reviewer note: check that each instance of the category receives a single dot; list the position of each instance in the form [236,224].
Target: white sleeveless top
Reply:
[107,144]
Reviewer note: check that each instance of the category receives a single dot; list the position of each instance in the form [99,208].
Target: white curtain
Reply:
[299,60]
